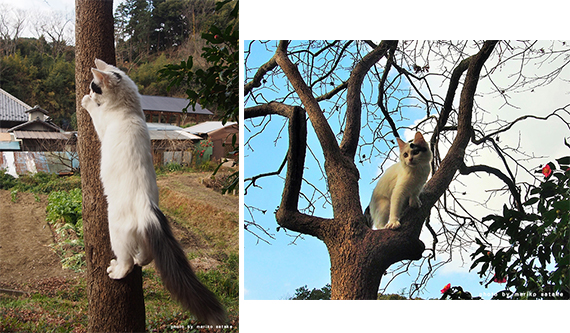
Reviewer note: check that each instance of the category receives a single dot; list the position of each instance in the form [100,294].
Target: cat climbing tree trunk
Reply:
[114,305]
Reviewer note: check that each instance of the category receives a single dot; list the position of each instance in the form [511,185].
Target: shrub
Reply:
[536,263]
[64,212]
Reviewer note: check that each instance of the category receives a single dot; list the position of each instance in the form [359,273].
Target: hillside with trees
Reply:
[149,35]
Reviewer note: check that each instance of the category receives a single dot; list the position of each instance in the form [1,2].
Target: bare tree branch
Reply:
[465,170]
[288,215]
[256,81]
[354,104]
[382,91]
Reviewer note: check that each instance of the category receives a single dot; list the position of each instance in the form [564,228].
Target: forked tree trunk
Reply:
[359,256]
[114,306]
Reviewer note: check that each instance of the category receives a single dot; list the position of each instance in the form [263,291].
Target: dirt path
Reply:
[25,237]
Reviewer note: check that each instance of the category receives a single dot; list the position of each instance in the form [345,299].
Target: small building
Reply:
[39,133]
[30,142]
[28,129]
[170,110]
[220,134]
[171,144]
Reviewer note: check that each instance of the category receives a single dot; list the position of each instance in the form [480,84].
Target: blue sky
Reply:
[273,272]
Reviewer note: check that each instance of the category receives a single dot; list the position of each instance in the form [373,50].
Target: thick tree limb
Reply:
[342,174]
[288,215]
[351,135]
[256,81]
[441,179]
[318,120]
[447,104]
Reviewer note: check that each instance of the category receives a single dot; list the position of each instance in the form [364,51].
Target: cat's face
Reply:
[106,79]
[416,152]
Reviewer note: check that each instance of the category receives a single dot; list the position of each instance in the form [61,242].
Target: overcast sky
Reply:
[64,8]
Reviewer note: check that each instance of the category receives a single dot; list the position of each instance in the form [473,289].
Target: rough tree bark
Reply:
[359,256]
[114,306]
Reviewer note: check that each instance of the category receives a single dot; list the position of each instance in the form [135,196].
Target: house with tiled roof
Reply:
[12,110]
[27,128]
[30,142]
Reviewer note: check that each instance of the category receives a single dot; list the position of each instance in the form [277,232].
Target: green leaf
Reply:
[531,201]
[564,160]
[563,205]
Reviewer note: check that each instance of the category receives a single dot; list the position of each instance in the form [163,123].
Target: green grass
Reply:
[40,182]
[61,306]
[162,314]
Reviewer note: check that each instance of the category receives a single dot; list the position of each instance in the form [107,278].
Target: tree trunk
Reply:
[114,305]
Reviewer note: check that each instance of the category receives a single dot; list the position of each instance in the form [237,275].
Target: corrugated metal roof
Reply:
[19,163]
[169,104]
[169,132]
[40,135]
[172,135]
[207,127]
[162,127]
[11,108]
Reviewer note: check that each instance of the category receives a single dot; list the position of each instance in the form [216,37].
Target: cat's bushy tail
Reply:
[177,275]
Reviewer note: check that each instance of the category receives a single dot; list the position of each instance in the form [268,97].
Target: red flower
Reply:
[501,280]
[446,288]
[546,171]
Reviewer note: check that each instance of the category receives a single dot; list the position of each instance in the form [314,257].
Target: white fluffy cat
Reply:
[401,183]
[139,231]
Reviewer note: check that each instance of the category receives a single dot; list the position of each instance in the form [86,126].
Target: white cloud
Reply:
[525,139]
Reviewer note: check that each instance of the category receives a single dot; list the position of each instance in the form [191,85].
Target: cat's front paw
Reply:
[85,101]
[395,224]
[117,271]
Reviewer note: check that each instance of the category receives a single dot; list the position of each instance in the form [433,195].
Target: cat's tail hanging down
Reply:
[177,275]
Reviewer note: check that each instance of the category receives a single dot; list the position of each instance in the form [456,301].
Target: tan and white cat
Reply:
[401,183]
[139,231]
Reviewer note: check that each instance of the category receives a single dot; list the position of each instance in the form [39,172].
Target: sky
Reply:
[273,271]
[45,8]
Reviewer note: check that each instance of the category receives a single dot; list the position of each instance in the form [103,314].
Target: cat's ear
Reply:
[100,64]
[419,138]
[103,79]
[401,144]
